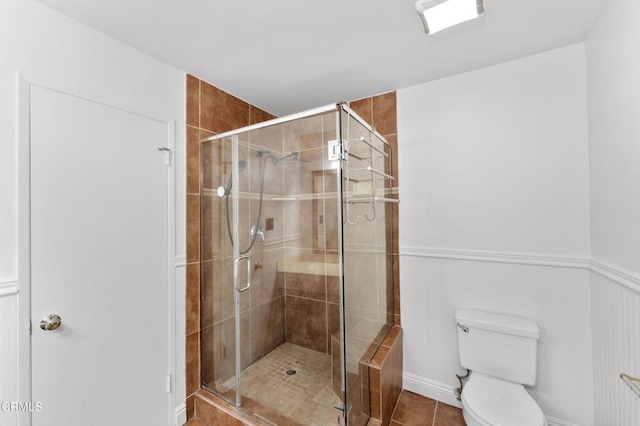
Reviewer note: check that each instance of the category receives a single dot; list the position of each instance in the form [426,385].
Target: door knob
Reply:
[50,322]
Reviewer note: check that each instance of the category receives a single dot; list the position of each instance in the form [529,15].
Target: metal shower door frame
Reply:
[238,287]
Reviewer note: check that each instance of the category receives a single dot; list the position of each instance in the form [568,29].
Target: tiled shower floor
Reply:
[305,397]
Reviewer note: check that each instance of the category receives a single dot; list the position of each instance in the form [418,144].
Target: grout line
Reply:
[395,407]
[435,414]
[308,298]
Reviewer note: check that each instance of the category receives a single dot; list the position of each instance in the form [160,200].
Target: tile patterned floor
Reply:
[416,410]
[305,397]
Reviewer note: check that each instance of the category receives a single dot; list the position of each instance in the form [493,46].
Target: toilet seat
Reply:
[488,401]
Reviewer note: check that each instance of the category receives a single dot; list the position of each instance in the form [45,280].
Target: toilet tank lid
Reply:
[498,323]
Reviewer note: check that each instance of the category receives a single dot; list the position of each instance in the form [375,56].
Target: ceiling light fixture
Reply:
[437,15]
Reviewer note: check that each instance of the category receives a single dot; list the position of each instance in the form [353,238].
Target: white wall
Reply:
[493,167]
[613,67]
[55,51]
[499,158]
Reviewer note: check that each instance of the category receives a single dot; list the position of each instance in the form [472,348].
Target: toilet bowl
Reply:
[487,401]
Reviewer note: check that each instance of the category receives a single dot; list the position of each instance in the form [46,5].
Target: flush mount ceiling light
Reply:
[437,15]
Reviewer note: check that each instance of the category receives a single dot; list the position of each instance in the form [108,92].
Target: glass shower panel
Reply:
[297,208]
[221,202]
[366,276]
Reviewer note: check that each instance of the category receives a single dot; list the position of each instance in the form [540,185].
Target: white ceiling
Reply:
[290,55]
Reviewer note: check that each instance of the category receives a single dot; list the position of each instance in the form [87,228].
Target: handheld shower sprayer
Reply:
[257,232]
[223,191]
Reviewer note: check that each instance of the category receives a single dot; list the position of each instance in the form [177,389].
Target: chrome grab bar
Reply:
[235,273]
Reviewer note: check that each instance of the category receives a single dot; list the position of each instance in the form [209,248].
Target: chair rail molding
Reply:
[615,273]
[498,256]
[8,287]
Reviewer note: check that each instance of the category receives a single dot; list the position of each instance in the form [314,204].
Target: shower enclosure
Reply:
[296,275]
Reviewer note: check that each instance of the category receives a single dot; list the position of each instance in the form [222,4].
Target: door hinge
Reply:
[169,383]
[30,327]
[167,154]
[337,150]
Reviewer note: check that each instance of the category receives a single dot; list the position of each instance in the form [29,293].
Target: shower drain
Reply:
[291,372]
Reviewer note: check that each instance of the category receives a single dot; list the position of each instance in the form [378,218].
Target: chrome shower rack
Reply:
[367,175]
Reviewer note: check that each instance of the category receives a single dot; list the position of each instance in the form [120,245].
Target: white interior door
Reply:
[99,260]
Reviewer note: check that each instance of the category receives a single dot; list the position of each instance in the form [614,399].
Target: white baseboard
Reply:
[181,414]
[430,389]
[446,394]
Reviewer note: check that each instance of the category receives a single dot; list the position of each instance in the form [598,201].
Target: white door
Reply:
[99,260]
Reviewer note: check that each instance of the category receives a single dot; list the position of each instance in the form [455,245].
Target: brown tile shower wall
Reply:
[380,112]
[312,310]
[211,111]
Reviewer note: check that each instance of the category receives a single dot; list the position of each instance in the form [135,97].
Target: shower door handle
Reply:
[248,285]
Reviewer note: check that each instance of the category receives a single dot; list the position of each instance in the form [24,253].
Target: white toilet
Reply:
[501,351]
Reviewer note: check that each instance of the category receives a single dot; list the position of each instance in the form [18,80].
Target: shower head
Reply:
[241,165]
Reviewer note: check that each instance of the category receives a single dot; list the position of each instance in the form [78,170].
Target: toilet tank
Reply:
[498,345]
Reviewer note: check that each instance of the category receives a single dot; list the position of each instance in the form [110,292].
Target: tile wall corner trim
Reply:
[8,287]
[499,257]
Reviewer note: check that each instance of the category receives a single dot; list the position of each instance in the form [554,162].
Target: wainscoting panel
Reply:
[180,266]
[556,297]
[8,349]
[616,349]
